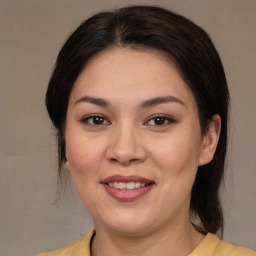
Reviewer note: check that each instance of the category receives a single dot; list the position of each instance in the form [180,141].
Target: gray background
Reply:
[32,32]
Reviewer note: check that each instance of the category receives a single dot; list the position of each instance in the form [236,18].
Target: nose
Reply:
[126,146]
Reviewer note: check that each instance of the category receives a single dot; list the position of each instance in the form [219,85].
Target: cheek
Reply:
[84,165]
[177,151]
[176,158]
[84,156]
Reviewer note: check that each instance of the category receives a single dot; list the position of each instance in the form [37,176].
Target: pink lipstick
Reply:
[127,188]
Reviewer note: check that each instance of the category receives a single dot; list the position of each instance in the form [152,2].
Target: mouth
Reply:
[127,188]
[128,185]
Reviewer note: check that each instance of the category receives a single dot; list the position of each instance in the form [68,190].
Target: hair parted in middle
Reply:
[192,52]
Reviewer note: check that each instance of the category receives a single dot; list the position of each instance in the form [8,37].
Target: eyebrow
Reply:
[160,100]
[97,101]
[145,104]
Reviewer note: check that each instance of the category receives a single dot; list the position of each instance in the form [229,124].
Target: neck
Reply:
[178,240]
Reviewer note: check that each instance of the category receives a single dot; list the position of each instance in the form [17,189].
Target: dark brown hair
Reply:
[192,51]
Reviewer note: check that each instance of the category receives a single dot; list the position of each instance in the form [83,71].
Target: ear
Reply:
[210,140]
[66,161]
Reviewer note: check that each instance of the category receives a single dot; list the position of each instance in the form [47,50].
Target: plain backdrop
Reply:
[32,32]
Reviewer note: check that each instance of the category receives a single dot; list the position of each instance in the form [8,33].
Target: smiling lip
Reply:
[127,195]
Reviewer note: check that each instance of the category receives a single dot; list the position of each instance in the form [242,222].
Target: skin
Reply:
[128,140]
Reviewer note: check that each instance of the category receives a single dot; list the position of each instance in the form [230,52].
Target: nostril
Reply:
[125,153]
[124,162]
[113,160]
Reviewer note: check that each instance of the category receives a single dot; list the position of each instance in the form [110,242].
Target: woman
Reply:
[140,102]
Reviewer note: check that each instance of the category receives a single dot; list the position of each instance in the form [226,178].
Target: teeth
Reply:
[128,185]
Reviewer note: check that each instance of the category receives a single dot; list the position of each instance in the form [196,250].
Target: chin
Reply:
[129,224]
[131,230]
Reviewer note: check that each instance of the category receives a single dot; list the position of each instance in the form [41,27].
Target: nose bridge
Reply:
[126,144]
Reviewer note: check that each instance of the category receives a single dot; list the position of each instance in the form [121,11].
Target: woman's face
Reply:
[133,141]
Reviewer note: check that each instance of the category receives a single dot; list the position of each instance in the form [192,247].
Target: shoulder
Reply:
[212,246]
[225,248]
[79,247]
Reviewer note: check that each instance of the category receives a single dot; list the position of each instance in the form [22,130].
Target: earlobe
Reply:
[66,161]
[210,140]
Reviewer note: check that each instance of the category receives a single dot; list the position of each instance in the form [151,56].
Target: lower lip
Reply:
[127,195]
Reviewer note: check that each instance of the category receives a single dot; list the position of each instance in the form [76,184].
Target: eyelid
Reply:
[85,119]
[170,119]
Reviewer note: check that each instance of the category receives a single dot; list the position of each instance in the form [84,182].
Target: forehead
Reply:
[128,73]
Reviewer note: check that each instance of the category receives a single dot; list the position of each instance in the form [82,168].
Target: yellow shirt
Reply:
[210,246]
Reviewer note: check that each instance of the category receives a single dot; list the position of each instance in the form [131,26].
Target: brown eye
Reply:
[95,120]
[160,120]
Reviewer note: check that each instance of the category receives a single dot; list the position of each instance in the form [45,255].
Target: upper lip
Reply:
[130,178]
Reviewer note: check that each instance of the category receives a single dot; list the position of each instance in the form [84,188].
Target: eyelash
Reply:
[94,118]
[164,120]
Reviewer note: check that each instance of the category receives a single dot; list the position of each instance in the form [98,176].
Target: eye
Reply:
[160,121]
[95,120]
